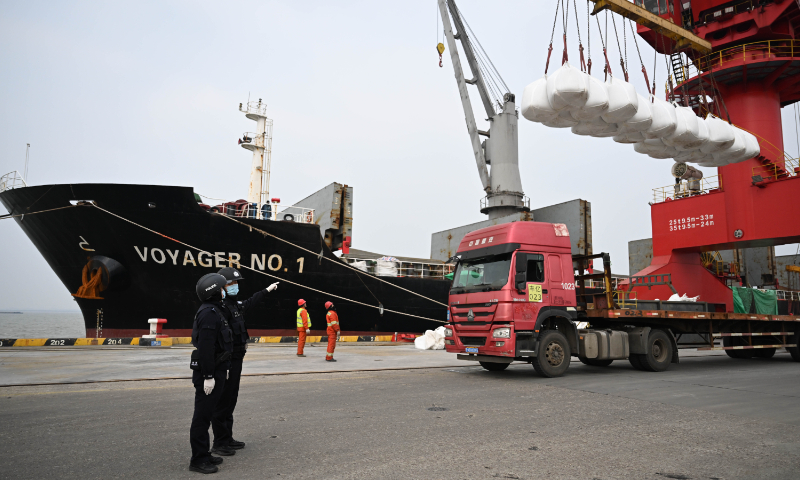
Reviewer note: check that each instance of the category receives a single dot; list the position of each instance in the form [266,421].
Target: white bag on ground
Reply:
[430,340]
[594,127]
[535,106]
[664,119]
[643,118]
[563,120]
[720,135]
[596,102]
[566,88]
[623,101]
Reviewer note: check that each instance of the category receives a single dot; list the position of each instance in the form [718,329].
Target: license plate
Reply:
[472,350]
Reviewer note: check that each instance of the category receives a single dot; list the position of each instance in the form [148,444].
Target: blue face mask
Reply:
[223,293]
[232,289]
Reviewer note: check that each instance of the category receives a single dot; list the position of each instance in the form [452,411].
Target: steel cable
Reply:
[274,276]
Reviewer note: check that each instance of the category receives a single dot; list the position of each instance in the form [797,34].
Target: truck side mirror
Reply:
[521,268]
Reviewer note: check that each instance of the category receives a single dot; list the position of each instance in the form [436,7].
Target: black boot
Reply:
[215,460]
[223,450]
[235,444]
[203,467]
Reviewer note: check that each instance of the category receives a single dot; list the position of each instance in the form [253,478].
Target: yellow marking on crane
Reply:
[683,37]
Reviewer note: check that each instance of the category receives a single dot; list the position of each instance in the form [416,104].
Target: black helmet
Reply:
[209,285]
[231,274]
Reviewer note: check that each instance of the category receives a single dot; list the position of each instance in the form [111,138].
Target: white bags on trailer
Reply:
[569,98]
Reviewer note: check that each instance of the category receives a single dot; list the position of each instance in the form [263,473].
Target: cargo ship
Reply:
[128,253]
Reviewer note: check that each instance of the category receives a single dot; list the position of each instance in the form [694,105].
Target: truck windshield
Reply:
[483,274]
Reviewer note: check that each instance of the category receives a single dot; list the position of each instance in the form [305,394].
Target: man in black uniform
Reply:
[213,341]
[222,421]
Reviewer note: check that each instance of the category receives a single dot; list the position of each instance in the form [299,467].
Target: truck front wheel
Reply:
[494,367]
[660,352]
[553,355]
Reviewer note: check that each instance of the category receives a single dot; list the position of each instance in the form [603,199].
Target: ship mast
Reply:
[260,143]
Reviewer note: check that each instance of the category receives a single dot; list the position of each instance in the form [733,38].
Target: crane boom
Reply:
[683,37]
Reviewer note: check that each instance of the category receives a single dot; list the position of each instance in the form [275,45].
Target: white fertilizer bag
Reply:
[686,131]
[751,149]
[693,156]
[720,135]
[629,137]
[664,119]
[700,140]
[430,340]
[643,118]
[596,102]
[385,268]
[594,127]
[734,152]
[623,101]
[535,106]
[654,145]
[567,88]
[563,120]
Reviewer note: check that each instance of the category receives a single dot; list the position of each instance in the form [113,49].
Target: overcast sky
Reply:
[148,92]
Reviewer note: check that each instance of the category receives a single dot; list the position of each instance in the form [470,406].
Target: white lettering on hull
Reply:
[160,254]
[261,261]
[143,256]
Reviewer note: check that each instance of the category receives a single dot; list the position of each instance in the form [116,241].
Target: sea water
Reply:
[41,324]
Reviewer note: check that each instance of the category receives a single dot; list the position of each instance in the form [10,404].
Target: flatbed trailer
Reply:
[529,302]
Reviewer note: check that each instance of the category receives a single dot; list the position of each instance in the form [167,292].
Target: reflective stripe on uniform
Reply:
[300,318]
[333,323]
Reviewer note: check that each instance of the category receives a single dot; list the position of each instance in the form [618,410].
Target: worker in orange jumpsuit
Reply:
[303,326]
[333,330]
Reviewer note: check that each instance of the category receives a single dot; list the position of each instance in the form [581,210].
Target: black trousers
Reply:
[222,421]
[204,406]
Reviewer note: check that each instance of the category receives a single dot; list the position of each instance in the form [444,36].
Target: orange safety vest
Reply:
[333,322]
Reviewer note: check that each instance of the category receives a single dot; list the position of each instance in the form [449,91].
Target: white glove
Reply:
[208,386]
[272,287]
[227,374]
[308,331]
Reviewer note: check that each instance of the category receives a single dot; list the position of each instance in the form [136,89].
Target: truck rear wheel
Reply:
[737,342]
[660,352]
[764,352]
[795,351]
[635,361]
[594,362]
[553,355]
[494,367]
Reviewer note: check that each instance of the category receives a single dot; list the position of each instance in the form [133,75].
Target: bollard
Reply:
[155,328]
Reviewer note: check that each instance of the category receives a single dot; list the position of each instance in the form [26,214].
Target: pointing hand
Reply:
[272,287]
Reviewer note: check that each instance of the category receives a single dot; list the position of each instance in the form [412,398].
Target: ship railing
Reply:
[267,211]
[254,107]
[408,269]
[764,50]
[12,180]
[252,138]
[524,202]
[681,190]
[773,171]
[788,295]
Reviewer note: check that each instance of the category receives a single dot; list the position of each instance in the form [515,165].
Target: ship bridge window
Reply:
[652,6]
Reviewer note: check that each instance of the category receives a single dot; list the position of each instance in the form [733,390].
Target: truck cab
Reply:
[513,282]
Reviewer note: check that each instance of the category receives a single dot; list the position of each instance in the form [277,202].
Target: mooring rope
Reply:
[337,262]
[7,216]
[268,274]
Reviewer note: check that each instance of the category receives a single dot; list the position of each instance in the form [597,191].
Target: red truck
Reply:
[515,298]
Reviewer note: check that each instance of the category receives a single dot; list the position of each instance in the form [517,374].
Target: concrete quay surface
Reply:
[434,417]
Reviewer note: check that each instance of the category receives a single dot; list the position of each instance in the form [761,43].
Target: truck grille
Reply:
[473,341]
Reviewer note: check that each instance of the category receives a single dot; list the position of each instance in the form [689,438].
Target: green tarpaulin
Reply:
[751,300]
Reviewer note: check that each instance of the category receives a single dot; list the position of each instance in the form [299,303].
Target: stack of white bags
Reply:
[659,129]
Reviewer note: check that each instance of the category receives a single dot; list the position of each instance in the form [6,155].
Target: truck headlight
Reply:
[448,332]
[502,333]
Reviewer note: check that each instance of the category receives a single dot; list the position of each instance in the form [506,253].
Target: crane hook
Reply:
[440,49]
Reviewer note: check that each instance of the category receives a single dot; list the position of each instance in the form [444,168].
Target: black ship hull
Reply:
[145,275]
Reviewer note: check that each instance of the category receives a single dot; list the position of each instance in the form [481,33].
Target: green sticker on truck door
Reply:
[534,292]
